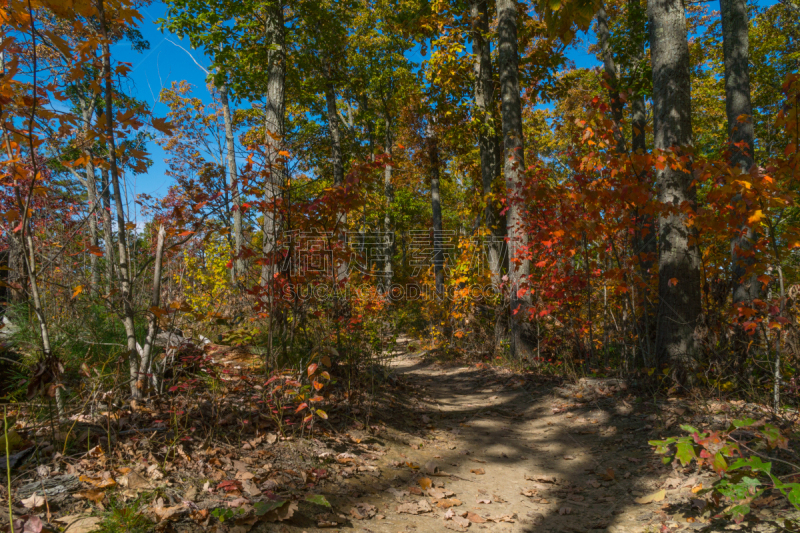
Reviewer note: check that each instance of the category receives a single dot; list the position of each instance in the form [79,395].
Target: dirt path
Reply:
[516,455]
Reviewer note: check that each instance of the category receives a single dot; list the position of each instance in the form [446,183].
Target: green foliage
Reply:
[126,516]
[741,481]
[231,32]
[224,514]
[318,499]
[263,508]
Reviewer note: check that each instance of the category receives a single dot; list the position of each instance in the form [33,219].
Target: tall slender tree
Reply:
[611,77]
[484,98]
[436,206]
[274,125]
[678,255]
[514,171]
[233,181]
[123,257]
[739,111]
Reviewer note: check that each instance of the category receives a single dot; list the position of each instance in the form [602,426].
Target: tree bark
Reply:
[17,276]
[108,230]
[128,319]
[610,71]
[678,255]
[233,182]
[514,171]
[275,129]
[338,166]
[644,241]
[388,191]
[16,259]
[484,97]
[436,209]
[87,110]
[145,362]
[739,111]
[94,237]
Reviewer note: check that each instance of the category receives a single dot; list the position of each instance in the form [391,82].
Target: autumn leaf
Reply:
[33,501]
[756,217]
[95,495]
[76,292]
[162,125]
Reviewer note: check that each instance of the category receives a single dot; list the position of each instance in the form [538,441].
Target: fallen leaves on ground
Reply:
[447,503]
[166,513]
[275,511]
[654,497]
[34,501]
[79,523]
[541,478]
[135,481]
[95,495]
[422,506]
[363,511]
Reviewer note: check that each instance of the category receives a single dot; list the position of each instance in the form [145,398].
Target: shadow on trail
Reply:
[522,434]
[468,418]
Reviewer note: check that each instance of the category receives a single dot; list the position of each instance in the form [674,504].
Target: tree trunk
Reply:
[94,237]
[678,255]
[274,122]
[645,243]
[108,230]
[17,276]
[87,110]
[514,171]
[487,133]
[735,25]
[436,209]
[338,167]
[233,182]
[611,78]
[124,261]
[145,362]
[388,192]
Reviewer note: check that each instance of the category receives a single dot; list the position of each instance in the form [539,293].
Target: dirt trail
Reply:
[582,464]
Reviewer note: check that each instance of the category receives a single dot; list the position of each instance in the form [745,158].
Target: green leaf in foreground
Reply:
[263,508]
[319,499]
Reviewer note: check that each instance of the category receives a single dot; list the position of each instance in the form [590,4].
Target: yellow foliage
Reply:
[207,278]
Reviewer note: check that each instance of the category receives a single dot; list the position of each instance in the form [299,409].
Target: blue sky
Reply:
[165,62]
[153,70]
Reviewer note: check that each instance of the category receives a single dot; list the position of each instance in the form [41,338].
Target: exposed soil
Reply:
[518,456]
[434,446]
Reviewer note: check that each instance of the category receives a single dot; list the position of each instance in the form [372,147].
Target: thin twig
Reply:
[765,456]
[8,468]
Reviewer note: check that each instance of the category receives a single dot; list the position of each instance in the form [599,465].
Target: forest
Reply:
[392,247]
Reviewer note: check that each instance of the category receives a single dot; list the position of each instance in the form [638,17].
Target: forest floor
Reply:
[505,453]
[436,445]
